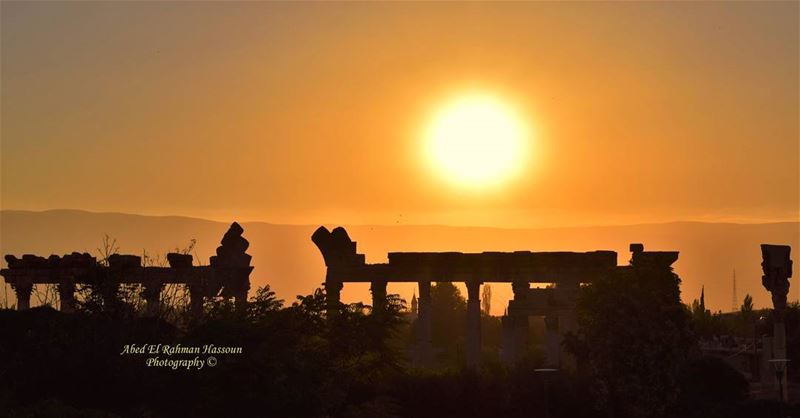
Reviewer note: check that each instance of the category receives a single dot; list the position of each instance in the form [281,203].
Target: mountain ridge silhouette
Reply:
[285,257]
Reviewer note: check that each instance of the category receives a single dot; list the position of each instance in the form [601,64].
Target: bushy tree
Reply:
[633,340]
[486,300]
[747,307]
[448,323]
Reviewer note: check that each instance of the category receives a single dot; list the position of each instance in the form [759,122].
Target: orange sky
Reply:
[312,113]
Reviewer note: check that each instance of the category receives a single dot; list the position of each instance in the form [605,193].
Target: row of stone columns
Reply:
[65,290]
[66,296]
[424,337]
[150,292]
[515,337]
[559,319]
[23,293]
[424,346]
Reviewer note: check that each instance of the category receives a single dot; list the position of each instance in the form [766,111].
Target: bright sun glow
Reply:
[476,141]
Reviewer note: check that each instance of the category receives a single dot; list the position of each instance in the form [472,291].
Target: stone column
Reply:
[515,336]
[110,293]
[779,352]
[23,292]
[66,295]
[378,290]
[152,296]
[333,290]
[240,298]
[567,320]
[424,349]
[196,299]
[506,345]
[767,370]
[473,352]
[552,341]
[515,327]
[777,268]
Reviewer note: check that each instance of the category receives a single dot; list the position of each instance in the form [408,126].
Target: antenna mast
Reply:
[735,301]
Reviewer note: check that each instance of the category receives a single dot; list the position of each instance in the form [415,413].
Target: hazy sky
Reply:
[312,113]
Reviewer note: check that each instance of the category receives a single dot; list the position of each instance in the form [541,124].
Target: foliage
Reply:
[747,307]
[632,350]
[633,340]
[294,362]
[297,362]
[711,388]
[486,300]
[448,324]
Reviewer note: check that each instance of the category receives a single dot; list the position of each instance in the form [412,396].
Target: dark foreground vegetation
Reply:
[636,355]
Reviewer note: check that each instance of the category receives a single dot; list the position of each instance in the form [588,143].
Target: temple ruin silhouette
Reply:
[567,271]
[228,276]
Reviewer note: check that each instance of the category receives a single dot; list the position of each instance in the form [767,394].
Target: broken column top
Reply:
[124,261]
[336,247]
[232,251]
[30,261]
[179,260]
[776,260]
[659,259]
[777,268]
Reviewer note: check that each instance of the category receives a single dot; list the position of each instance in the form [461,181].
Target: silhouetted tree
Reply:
[633,340]
[486,299]
[747,306]
[448,323]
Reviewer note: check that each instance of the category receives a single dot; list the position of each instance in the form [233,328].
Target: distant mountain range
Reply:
[285,257]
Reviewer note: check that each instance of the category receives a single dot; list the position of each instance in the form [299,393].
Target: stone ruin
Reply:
[565,270]
[233,263]
[777,268]
[228,275]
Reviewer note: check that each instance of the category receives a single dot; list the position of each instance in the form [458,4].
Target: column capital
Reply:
[23,293]
[520,289]
[378,285]
[378,289]
[473,289]
[333,286]
[66,295]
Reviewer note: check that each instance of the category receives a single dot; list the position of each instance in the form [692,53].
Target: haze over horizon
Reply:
[285,258]
[334,222]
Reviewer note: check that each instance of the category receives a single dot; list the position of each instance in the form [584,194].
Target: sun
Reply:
[476,141]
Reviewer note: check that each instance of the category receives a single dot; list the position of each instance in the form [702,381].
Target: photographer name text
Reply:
[178,349]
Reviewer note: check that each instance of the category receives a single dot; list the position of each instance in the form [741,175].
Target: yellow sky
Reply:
[313,112]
